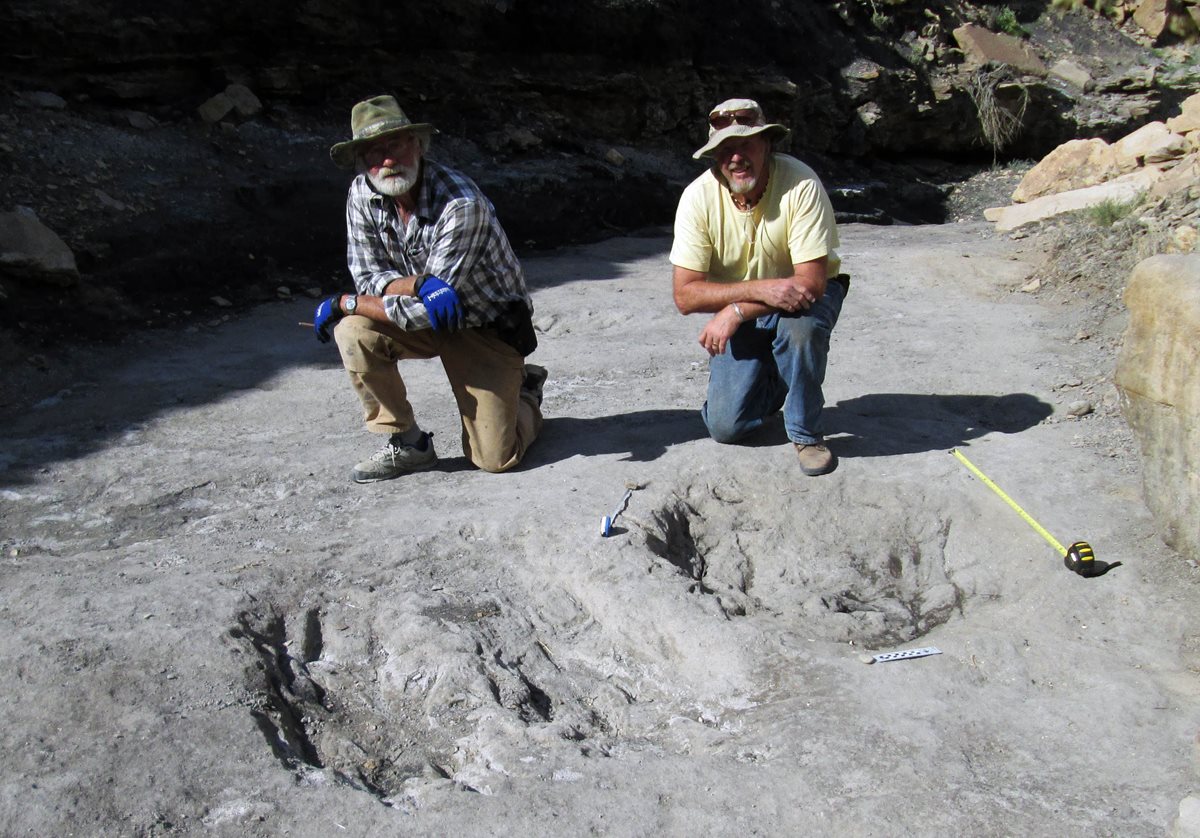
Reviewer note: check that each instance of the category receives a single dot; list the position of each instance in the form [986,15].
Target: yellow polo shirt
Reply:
[792,223]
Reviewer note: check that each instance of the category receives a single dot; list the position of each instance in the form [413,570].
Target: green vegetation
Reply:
[879,20]
[1006,21]
[1109,211]
[1108,8]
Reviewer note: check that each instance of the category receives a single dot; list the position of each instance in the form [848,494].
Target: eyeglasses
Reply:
[745,116]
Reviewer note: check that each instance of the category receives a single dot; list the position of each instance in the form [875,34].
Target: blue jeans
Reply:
[775,361]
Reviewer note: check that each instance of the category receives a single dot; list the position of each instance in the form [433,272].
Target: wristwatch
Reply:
[350,303]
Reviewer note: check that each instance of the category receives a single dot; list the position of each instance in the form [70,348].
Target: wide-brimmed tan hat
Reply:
[738,118]
[379,116]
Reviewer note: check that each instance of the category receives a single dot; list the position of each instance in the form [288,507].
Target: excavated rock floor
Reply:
[210,630]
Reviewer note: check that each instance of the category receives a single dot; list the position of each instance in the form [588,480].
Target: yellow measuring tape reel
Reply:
[1079,557]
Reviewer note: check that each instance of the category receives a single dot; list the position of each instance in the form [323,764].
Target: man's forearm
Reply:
[404,286]
[366,306]
[369,305]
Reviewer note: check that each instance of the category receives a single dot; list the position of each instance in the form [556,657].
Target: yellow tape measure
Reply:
[1079,557]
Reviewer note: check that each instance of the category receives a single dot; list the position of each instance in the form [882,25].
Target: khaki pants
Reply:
[499,420]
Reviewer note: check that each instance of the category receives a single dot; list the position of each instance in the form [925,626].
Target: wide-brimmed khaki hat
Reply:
[379,116]
[738,118]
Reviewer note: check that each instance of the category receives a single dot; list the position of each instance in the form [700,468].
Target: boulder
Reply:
[1152,143]
[1189,116]
[982,47]
[1179,179]
[1073,165]
[1159,385]
[1153,16]
[1166,20]
[1123,189]
[244,102]
[215,108]
[43,99]
[236,99]
[29,250]
[1072,73]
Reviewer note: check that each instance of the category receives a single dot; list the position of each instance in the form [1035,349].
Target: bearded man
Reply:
[435,277]
[754,246]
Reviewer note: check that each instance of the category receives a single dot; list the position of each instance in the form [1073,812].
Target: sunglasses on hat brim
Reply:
[742,116]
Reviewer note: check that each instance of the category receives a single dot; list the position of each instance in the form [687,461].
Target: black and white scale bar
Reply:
[907,653]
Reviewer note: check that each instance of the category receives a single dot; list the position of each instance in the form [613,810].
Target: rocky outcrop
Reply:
[1159,384]
[206,128]
[1157,159]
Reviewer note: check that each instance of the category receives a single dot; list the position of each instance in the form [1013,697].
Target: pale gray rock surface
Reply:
[208,630]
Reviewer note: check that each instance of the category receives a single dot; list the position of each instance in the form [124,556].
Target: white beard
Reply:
[394,182]
[743,187]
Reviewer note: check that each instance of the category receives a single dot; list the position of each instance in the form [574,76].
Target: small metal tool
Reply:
[607,521]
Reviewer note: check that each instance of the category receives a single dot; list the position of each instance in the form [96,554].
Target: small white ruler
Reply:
[898,656]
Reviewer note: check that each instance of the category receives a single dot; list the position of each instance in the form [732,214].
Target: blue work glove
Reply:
[329,312]
[442,303]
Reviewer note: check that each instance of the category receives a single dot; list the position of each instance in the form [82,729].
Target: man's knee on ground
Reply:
[496,464]
[722,430]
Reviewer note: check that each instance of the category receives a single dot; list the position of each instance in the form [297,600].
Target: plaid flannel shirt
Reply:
[453,235]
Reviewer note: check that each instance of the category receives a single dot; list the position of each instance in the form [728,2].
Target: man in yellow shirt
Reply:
[755,241]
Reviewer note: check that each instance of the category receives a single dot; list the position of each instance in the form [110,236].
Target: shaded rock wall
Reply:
[615,71]
[577,119]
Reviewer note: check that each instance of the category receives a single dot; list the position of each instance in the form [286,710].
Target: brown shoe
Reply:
[815,459]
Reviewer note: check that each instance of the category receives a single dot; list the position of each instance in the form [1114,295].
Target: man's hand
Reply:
[442,303]
[718,330]
[790,294]
[329,312]
[695,293]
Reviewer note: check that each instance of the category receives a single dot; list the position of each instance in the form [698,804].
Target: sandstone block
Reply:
[1159,384]
[32,251]
[1152,143]
[982,46]
[1178,179]
[43,99]
[1073,73]
[1183,239]
[1153,16]
[215,109]
[1189,116]
[244,102]
[1122,189]
[1073,165]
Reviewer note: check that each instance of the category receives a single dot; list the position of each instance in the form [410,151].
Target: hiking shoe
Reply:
[535,378]
[815,459]
[396,458]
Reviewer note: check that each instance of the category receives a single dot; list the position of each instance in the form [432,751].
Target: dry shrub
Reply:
[999,121]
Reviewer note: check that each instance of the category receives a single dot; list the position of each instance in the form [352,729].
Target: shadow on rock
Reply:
[883,424]
[642,435]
